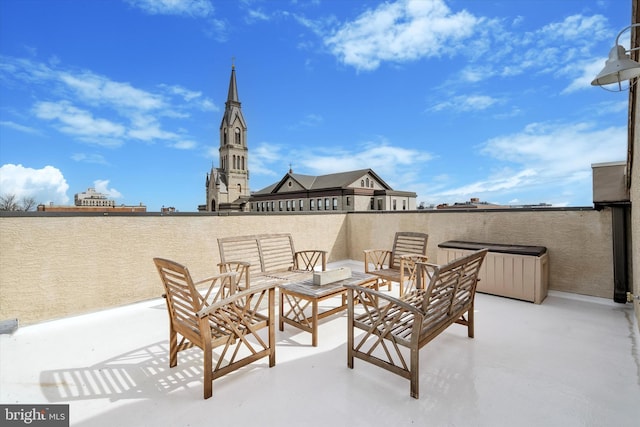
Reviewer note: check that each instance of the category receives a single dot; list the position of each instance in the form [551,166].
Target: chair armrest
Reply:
[409,269]
[383,313]
[376,258]
[225,284]
[308,259]
[241,299]
[241,268]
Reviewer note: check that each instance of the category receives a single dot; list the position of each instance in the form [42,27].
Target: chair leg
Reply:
[272,329]
[350,316]
[173,347]
[208,371]
[415,377]
[470,320]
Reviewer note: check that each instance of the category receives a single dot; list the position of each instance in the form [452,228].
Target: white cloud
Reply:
[541,157]
[89,158]
[263,156]
[193,8]
[102,186]
[466,103]
[405,30]
[147,128]
[95,109]
[46,185]
[559,150]
[99,89]
[19,127]
[400,167]
[184,145]
[81,123]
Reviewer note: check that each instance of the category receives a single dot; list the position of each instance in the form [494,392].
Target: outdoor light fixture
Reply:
[619,67]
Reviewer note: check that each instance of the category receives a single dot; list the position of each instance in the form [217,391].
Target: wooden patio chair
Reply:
[221,318]
[443,295]
[397,264]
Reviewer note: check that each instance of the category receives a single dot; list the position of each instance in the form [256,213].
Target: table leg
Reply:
[314,323]
[280,317]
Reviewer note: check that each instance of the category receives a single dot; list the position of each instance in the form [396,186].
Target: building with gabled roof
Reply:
[358,190]
[227,186]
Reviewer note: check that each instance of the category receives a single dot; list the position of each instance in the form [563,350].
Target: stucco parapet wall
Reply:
[321,212]
[55,265]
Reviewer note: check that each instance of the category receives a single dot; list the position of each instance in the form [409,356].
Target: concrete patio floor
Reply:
[571,361]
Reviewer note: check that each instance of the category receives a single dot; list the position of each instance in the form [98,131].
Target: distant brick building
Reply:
[92,201]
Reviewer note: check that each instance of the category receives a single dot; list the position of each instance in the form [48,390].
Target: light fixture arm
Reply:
[619,67]
[622,32]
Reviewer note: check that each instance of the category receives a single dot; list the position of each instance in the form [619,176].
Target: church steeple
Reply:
[233,88]
[231,184]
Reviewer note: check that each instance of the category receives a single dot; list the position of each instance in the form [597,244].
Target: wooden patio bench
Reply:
[443,295]
[263,256]
[394,265]
[221,318]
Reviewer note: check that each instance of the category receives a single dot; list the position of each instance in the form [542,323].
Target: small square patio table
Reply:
[296,297]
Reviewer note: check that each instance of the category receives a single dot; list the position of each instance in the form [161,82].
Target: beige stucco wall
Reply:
[52,267]
[578,242]
[55,266]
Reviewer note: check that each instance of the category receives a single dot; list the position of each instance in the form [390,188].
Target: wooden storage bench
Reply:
[514,271]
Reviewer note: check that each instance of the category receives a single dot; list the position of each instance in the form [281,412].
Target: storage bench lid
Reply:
[494,247]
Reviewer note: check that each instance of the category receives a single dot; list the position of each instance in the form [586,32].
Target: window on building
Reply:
[367,182]
[362,183]
[288,205]
[394,204]
[312,204]
[379,204]
[327,203]
[335,203]
[404,205]
[273,206]
[280,205]
[372,205]
[348,201]
[237,135]
[301,204]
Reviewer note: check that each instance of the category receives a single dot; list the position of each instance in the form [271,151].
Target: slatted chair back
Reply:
[407,243]
[183,299]
[451,288]
[266,252]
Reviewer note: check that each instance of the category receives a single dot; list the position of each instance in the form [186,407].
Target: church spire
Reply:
[233,88]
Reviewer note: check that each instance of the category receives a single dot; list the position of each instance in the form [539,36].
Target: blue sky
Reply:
[450,99]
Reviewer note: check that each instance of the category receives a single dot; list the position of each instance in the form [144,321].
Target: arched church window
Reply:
[362,183]
[243,168]
[225,137]
[237,135]
[367,182]
[240,188]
